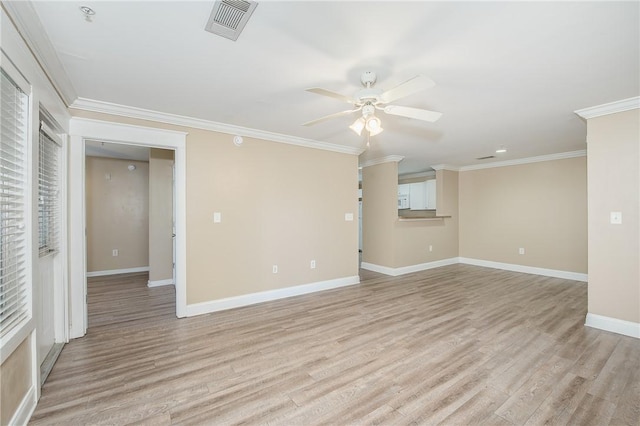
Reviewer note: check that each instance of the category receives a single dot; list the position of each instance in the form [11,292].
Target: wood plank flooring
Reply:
[457,345]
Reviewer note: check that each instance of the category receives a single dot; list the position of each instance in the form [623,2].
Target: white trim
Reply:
[528,160]
[387,159]
[567,275]
[61,289]
[117,271]
[609,108]
[429,174]
[27,23]
[614,325]
[266,296]
[77,267]
[197,123]
[128,134]
[445,167]
[82,130]
[25,409]
[394,272]
[160,283]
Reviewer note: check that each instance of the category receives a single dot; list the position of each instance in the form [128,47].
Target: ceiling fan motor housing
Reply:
[368,95]
[368,78]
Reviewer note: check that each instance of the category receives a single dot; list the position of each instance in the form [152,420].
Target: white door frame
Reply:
[81,130]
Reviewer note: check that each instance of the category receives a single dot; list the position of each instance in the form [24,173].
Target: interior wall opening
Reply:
[130,232]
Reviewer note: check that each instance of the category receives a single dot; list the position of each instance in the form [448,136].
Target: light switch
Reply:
[616,218]
[217,217]
[348,217]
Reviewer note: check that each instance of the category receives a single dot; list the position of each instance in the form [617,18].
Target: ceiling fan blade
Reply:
[329,93]
[417,113]
[328,117]
[409,87]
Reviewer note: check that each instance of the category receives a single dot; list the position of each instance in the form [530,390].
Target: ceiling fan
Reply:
[369,100]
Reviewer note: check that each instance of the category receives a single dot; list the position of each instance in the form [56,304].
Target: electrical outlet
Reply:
[616,218]
[313,264]
[521,250]
[114,252]
[275,269]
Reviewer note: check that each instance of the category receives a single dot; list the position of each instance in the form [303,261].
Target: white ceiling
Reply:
[114,150]
[507,73]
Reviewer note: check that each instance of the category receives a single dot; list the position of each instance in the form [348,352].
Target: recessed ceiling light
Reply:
[501,150]
[87,12]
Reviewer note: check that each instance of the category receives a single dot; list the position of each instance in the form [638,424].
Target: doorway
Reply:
[82,132]
[130,227]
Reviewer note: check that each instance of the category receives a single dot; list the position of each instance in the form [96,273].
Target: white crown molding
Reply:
[528,160]
[445,167]
[28,24]
[382,160]
[197,123]
[418,175]
[610,108]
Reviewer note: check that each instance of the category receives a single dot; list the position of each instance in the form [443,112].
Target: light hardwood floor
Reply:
[457,345]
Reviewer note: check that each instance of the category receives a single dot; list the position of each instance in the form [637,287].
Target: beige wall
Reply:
[540,207]
[379,213]
[160,214]
[394,244]
[614,185]
[281,205]
[412,239]
[15,380]
[117,202]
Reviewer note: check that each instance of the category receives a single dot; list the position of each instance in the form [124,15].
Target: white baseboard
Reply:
[567,275]
[160,283]
[266,296]
[394,272]
[117,271]
[25,409]
[614,325]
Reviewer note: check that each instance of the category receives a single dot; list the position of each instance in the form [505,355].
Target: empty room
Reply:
[320,212]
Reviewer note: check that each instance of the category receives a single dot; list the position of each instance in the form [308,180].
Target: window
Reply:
[14,293]
[48,190]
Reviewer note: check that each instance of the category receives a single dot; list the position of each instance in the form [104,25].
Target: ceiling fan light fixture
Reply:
[357,126]
[375,131]
[373,124]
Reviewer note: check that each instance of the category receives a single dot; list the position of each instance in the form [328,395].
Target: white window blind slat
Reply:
[14,104]
[48,189]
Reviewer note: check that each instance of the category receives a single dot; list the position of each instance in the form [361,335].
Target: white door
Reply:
[44,309]
[173,231]
[360,225]
[47,277]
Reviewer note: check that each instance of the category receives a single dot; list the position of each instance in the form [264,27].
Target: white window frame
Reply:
[20,331]
[51,243]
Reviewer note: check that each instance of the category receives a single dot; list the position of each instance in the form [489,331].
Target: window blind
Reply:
[48,190]
[14,123]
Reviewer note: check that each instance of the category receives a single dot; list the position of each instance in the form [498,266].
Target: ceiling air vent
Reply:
[229,17]
[486,158]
